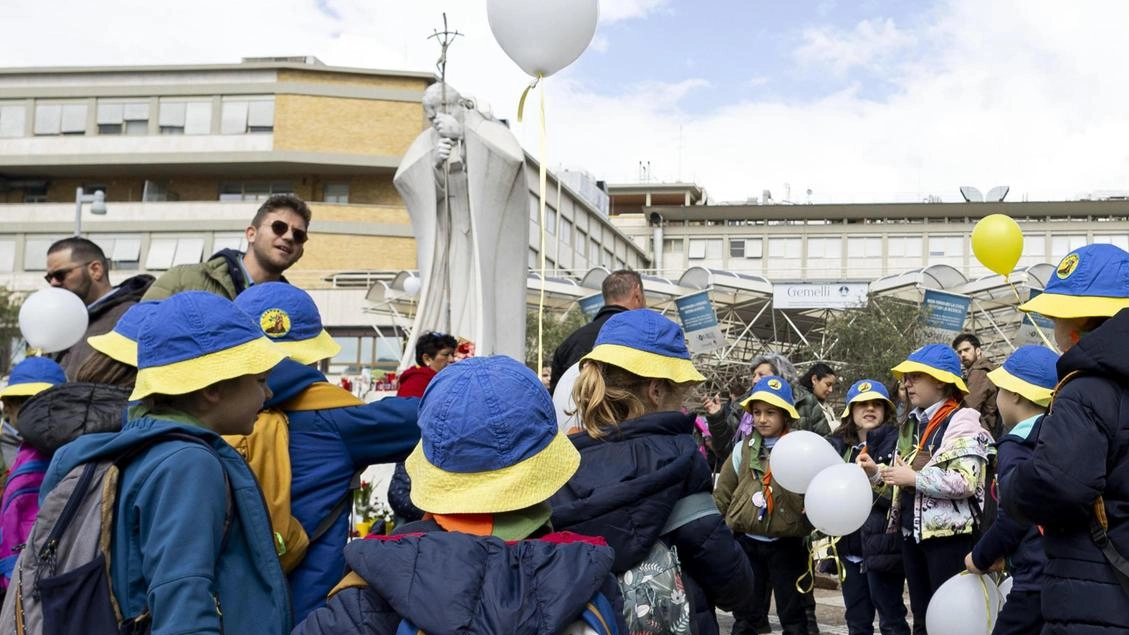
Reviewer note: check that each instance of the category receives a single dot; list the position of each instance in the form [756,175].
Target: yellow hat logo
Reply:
[275,323]
[1067,266]
[774,384]
[865,386]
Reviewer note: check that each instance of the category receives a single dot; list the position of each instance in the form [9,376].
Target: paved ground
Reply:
[828,610]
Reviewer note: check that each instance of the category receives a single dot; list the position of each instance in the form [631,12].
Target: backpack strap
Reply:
[1098,524]
[688,509]
[345,502]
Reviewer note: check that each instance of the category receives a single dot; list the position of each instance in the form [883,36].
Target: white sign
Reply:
[813,295]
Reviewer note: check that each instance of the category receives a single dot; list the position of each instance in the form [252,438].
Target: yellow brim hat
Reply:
[866,396]
[1055,305]
[936,373]
[514,487]
[1036,394]
[116,346]
[25,390]
[312,350]
[179,378]
[646,364]
[771,399]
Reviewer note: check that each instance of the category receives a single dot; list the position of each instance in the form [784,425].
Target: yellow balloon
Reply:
[997,243]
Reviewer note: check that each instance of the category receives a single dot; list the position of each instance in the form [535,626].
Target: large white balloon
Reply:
[562,400]
[543,36]
[53,319]
[966,604]
[798,456]
[838,499]
[1005,587]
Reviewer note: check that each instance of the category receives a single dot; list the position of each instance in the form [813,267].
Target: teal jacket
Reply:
[169,530]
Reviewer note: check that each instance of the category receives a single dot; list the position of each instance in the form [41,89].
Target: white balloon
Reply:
[53,319]
[838,499]
[412,286]
[1005,587]
[798,456]
[562,400]
[543,36]
[966,604]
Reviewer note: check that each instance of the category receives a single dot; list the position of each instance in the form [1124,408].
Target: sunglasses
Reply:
[281,227]
[59,275]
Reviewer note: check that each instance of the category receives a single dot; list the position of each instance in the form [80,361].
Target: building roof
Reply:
[292,63]
[908,211]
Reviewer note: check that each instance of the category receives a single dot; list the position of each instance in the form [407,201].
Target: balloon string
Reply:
[542,188]
[810,573]
[1038,329]
[987,599]
[524,94]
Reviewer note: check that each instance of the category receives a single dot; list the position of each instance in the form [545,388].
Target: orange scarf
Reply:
[949,407]
[766,480]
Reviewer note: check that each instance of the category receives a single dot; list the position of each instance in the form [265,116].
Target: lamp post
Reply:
[97,202]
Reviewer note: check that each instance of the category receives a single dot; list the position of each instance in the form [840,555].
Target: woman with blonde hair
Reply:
[639,468]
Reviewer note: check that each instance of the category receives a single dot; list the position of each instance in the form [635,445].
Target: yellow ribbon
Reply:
[810,573]
[989,616]
[542,189]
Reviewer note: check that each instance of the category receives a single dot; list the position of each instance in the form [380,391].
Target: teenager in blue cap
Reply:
[1076,485]
[486,559]
[769,521]
[639,463]
[875,580]
[332,436]
[939,474]
[1024,385]
[191,533]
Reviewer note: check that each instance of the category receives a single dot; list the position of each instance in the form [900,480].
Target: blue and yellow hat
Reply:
[32,376]
[194,339]
[775,391]
[1091,281]
[121,343]
[489,441]
[289,317]
[866,390]
[647,344]
[936,360]
[1029,372]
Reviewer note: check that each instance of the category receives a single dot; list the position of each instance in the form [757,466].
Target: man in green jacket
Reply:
[276,239]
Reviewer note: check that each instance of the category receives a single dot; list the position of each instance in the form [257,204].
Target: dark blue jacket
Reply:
[529,587]
[879,550]
[624,491]
[326,448]
[400,495]
[1082,452]
[1018,542]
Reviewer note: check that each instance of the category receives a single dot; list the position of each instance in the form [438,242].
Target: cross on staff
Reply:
[446,37]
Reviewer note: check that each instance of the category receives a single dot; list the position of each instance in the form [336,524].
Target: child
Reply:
[939,473]
[769,521]
[872,558]
[1024,385]
[1076,484]
[192,540]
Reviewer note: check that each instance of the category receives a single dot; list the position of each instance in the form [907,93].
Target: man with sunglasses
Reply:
[81,267]
[275,241]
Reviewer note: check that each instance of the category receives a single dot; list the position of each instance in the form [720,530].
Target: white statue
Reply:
[463,181]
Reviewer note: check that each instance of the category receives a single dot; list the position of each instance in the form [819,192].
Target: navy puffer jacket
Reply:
[1082,452]
[879,550]
[624,491]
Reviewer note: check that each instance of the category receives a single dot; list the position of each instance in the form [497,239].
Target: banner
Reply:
[591,305]
[699,321]
[1030,325]
[945,312]
[812,295]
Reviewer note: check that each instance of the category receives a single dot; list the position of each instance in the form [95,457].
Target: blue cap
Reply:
[936,360]
[1091,281]
[1029,372]
[866,390]
[773,390]
[647,344]
[290,318]
[32,376]
[121,343]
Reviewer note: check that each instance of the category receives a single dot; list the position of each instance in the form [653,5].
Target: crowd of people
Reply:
[225,464]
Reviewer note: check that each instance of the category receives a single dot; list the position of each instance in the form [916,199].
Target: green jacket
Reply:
[811,414]
[740,480]
[213,275]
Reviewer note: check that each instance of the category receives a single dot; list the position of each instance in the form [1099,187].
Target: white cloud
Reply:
[871,42]
[616,10]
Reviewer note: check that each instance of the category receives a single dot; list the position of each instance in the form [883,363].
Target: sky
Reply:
[855,101]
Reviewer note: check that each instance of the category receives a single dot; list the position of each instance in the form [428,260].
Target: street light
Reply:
[97,202]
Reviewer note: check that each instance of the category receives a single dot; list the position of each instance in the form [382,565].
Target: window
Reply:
[185,117]
[242,115]
[366,352]
[12,120]
[593,251]
[8,255]
[156,192]
[1035,245]
[60,119]
[746,248]
[534,259]
[825,248]
[123,251]
[581,241]
[864,248]
[705,248]
[35,193]
[551,220]
[253,190]
[672,245]
[697,249]
[1112,239]
[566,232]
[736,247]
[904,246]
[130,118]
[1062,245]
[35,252]
[534,211]
[784,247]
[236,241]
[336,193]
[167,252]
[947,246]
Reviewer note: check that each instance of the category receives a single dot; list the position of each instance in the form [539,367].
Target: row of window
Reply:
[125,251]
[175,116]
[230,191]
[586,243]
[607,260]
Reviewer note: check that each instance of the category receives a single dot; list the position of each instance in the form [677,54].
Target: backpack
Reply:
[654,591]
[61,581]
[267,452]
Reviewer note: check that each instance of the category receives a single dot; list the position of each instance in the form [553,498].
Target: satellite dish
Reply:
[971,194]
[997,194]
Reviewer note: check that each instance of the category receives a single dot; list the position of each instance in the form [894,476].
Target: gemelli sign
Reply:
[810,295]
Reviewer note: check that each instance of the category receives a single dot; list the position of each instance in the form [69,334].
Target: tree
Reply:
[869,341]
[9,326]
[556,328]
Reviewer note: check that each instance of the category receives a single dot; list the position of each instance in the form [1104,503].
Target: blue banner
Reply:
[945,311]
[591,305]
[699,321]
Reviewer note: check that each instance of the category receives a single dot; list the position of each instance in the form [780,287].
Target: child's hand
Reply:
[899,474]
[970,565]
[712,404]
[867,464]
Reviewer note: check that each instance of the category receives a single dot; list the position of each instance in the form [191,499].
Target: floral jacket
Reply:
[951,478]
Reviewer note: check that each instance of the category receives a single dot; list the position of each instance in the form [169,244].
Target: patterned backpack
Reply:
[654,594]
